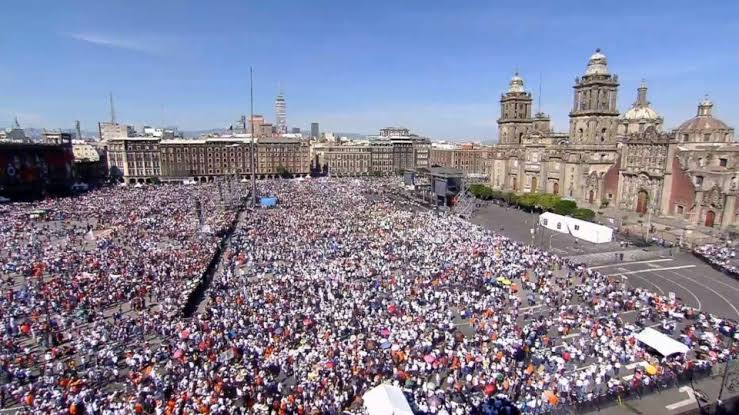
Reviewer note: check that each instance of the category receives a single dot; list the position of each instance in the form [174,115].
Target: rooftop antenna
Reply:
[112,109]
[539,110]
[253,152]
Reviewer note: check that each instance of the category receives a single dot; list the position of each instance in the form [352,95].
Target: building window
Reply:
[559,225]
[706,137]
[698,180]
[544,221]
[680,209]
[722,162]
[577,227]
[685,137]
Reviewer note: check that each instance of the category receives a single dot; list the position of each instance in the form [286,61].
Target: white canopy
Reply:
[591,232]
[662,343]
[386,400]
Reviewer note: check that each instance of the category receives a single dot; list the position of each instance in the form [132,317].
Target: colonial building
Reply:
[144,159]
[471,161]
[395,149]
[607,159]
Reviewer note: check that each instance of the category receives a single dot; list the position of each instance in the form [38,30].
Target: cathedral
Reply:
[612,160]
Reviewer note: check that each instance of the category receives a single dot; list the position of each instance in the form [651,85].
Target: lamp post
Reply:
[550,240]
[650,208]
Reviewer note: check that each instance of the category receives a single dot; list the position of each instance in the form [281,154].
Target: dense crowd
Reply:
[721,257]
[340,288]
[82,277]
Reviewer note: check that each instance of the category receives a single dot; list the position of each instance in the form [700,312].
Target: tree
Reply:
[548,201]
[583,214]
[528,200]
[283,172]
[565,207]
[511,198]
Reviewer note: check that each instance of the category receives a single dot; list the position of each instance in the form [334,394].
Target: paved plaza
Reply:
[667,272]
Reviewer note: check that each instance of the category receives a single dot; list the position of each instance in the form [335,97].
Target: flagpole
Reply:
[253,153]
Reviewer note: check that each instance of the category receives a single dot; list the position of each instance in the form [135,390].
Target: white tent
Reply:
[386,400]
[662,343]
[589,231]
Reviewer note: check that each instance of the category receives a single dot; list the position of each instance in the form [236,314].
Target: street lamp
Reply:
[650,208]
[550,240]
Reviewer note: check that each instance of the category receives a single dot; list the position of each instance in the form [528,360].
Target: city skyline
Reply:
[350,69]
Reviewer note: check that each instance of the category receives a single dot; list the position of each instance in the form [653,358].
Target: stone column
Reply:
[695,216]
[543,179]
[727,215]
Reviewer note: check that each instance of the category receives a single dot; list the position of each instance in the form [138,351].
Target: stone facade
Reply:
[393,151]
[469,161]
[625,161]
[143,159]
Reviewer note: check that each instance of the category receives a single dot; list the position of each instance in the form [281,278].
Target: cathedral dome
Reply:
[598,64]
[641,113]
[704,120]
[516,84]
[702,123]
[641,110]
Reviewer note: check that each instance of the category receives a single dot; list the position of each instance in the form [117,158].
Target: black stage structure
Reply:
[438,186]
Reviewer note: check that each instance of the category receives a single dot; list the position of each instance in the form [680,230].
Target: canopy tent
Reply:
[386,400]
[267,202]
[591,232]
[662,343]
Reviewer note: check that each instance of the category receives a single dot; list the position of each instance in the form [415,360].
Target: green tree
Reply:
[565,207]
[583,214]
[283,172]
[511,198]
[548,201]
[528,200]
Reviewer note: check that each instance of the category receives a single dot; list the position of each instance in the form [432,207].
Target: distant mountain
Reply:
[198,133]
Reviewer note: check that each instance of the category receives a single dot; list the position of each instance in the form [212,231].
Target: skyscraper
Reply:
[314,133]
[281,114]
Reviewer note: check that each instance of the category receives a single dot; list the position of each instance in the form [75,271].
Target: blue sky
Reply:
[437,67]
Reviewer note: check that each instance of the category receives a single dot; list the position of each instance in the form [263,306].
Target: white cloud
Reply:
[118,42]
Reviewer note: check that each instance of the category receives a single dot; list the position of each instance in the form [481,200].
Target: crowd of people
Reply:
[722,257]
[342,287]
[83,278]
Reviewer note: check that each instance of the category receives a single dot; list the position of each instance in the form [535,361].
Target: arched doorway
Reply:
[591,196]
[534,184]
[710,218]
[555,188]
[642,199]
[515,184]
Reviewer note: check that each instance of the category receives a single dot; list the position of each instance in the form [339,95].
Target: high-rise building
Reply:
[112,131]
[295,130]
[281,114]
[256,121]
[314,132]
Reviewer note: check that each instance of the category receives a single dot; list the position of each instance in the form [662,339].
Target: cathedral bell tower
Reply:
[594,116]
[515,113]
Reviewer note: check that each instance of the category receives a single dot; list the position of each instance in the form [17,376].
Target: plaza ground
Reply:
[654,268]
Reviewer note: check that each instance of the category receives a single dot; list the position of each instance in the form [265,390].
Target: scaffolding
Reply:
[465,203]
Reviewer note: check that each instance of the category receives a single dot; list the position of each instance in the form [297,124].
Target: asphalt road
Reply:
[695,283]
[689,278]
[517,224]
